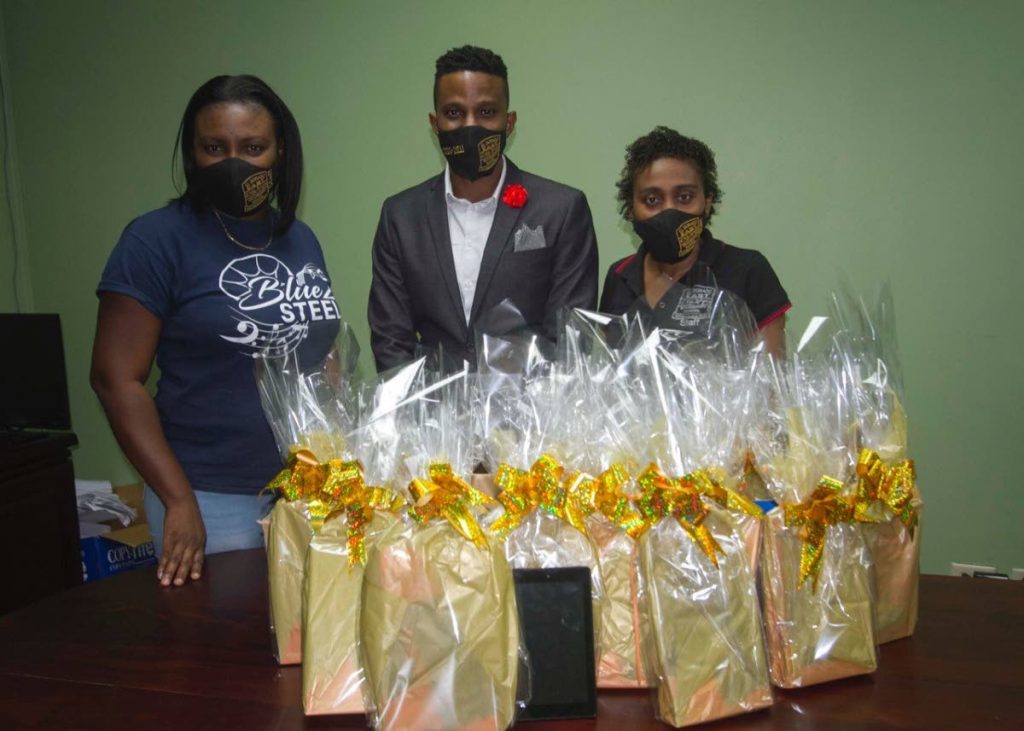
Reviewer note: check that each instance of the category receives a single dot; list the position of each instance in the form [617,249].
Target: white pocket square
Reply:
[528,239]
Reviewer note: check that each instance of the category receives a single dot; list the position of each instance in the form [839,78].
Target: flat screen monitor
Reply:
[33,382]
[555,609]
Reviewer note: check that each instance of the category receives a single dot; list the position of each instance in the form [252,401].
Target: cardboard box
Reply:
[123,548]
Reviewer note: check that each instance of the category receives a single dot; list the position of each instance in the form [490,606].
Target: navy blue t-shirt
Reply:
[221,306]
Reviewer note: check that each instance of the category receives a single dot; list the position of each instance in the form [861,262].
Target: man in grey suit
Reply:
[480,235]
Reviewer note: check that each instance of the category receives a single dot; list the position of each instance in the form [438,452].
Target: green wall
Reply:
[863,140]
[15,287]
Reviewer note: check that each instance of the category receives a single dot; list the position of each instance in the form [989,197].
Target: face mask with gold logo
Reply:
[235,187]
[671,235]
[473,151]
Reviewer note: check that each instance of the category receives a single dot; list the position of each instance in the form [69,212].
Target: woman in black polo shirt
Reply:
[668,191]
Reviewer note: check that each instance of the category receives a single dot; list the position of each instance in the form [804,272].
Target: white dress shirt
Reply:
[469,225]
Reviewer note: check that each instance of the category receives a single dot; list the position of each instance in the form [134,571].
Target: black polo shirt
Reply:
[743,272]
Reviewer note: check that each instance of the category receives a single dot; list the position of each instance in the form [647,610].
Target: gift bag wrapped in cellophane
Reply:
[306,396]
[714,329]
[439,629]
[888,500]
[332,679]
[529,422]
[701,588]
[591,349]
[816,577]
[720,401]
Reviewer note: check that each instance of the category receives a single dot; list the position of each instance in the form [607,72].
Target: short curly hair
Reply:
[664,142]
[470,58]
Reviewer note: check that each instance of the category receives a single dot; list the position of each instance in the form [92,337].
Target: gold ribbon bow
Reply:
[332,488]
[892,486]
[662,496]
[301,478]
[604,494]
[545,487]
[345,490]
[710,483]
[447,495]
[825,507]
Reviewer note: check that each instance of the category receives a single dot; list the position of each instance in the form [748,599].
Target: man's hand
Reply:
[184,544]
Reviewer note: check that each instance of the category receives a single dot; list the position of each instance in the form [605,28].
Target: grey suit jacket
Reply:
[415,298]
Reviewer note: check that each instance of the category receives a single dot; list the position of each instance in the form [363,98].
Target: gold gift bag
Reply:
[749,529]
[331,677]
[288,540]
[624,627]
[819,628]
[623,640]
[289,529]
[890,506]
[896,552]
[705,621]
[439,628]
[735,495]
[311,491]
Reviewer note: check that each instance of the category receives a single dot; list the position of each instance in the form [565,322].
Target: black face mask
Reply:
[235,187]
[472,152]
[671,235]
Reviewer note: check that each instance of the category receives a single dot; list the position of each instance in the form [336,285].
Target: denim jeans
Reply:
[230,520]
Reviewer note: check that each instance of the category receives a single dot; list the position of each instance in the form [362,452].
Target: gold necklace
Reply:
[236,241]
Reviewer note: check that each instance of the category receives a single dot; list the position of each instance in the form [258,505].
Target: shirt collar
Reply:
[633,271]
[710,248]
[486,203]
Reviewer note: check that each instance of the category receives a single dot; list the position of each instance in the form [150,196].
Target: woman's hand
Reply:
[184,544]
[127,335]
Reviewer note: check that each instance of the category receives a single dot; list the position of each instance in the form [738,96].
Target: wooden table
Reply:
[124,653]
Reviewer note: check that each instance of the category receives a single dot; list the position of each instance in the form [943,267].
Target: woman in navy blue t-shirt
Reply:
[203,286]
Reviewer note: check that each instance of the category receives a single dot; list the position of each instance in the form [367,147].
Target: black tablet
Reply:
[556,616]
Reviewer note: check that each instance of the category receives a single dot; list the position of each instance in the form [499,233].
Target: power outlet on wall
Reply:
[1017,574]
[969,569]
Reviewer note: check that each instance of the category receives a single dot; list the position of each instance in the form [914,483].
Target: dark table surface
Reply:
[124,653]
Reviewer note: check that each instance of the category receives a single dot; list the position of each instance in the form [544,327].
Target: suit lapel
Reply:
[505,218]
[437,220]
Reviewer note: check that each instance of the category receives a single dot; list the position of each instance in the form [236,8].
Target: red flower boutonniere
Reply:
[514,196]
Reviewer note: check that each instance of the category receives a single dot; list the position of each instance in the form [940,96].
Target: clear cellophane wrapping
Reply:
[696,556]
[332,677]
[889,499]
[606,407]
[697,313]
[531,417]
[439,628]
[816,571]
[306,397]
[288,535]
